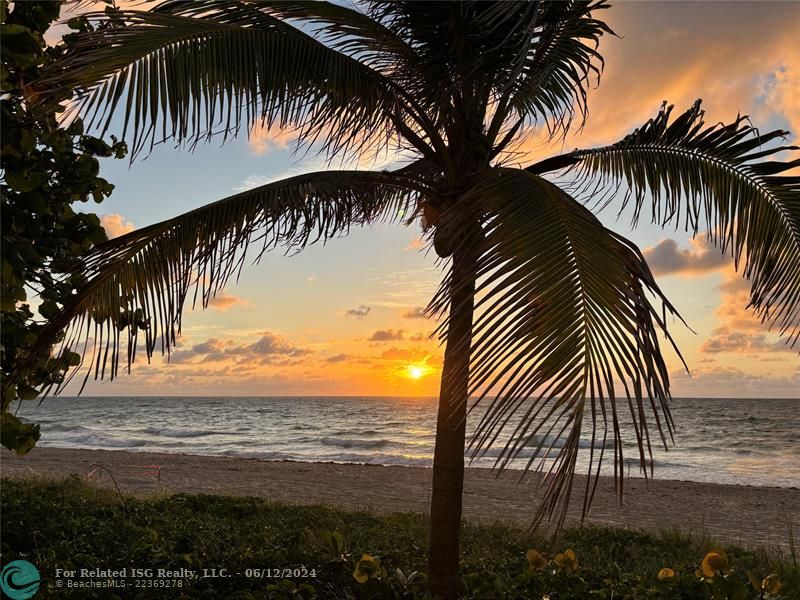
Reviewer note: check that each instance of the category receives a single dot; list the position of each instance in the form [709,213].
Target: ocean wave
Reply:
[353,443]
[59,427]
[376,459]
[724,440]
[103,442]
[553,442]
[261,455]
[359,432]
[179,433]
[496,452]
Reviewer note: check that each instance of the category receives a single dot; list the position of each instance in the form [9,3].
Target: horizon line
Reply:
[376,396]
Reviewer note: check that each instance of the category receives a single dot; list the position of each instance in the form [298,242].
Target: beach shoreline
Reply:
[741,514]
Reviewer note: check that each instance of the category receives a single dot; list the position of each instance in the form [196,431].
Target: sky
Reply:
[344,318]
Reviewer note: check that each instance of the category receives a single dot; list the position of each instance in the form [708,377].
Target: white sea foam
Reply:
[730,441]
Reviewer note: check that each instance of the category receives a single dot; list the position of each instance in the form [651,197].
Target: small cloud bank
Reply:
[666,258]
[337,358]
[270,348]
[405,354]
[223,302]
[725,340]
[263,139]
[416,244]
[115,225]
[387,335]
[359,312]
[418,312]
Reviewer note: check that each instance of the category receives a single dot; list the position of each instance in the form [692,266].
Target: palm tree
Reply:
[549,318]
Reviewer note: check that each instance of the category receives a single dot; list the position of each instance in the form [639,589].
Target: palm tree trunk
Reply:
[448,458]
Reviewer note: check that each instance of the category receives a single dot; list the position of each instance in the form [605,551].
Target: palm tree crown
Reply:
[548,316]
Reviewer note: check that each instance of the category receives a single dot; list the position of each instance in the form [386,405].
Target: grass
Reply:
[71,525]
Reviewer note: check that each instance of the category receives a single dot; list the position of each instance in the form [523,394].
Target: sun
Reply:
[414,372]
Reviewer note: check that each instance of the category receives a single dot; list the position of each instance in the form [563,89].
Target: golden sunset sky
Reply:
[344,319]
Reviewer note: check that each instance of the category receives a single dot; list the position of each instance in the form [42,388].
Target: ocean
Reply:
[736,441]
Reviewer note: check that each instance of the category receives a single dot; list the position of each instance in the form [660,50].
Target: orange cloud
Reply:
[416,244]
[223,302]
[405,354]
[738,329]
[115,225]
[264,139]
[782,88]
[746,61]
[339,358]
[732,313]
[693,53]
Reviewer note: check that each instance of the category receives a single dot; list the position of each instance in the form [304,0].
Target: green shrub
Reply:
[321,552]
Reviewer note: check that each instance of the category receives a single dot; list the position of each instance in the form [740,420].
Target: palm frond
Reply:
[341,27]
[463,51]
[356,34]
[429,29]
[556,72]
[140,281]
[726,179]
[564,331]
[189,77]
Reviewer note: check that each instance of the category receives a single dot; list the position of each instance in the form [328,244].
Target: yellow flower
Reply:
[771,584]
[715,562]
[755,581]
[666,573]
[367,567]
[567,560]
[535,560]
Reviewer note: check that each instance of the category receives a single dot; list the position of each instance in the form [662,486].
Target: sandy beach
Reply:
[747,515]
